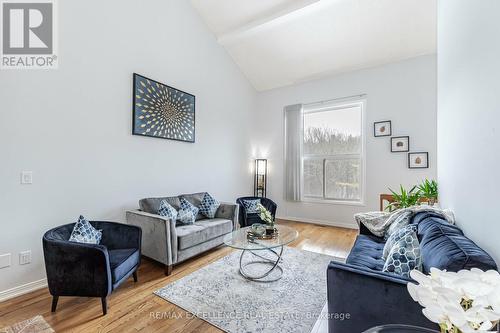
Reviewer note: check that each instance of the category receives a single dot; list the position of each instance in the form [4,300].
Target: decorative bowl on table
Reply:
[257,230]
[261,231]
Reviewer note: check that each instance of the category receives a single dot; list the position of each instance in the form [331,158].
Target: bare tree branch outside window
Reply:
[332,158]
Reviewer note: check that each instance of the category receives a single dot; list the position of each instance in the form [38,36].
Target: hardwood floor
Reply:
[134,308]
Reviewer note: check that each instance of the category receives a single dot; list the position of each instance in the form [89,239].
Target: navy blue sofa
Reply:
[361,296]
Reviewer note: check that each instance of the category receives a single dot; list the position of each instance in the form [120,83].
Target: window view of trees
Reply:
[332,157]
[329,141]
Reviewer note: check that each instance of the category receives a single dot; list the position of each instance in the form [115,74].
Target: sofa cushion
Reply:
[404,256]
[195,199]
[367,253]
[202,231]
[151,205]
[251,206]
[121,261]
[167,210]
[402,221]
[396,236]
[209,206]
[444,246]
[84,232]
[188,212]
[432,224]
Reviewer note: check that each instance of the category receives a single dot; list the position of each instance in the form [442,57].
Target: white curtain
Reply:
[293,145]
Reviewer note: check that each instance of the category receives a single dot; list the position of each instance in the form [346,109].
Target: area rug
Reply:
[33,325]
[218,294]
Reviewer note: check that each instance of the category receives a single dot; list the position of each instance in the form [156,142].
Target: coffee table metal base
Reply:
[264,261]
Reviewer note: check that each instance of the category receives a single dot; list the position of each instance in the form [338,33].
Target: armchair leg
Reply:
[104,306]
[168,269]
[135,276]
[54,303]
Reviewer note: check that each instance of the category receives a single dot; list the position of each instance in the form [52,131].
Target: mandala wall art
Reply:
[161,111]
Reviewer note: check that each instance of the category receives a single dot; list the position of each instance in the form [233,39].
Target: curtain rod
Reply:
[334,100]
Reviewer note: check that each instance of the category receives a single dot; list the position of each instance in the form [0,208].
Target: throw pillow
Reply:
[396,236]
[209,206]
[187,212]
[84,232]
[402,221]
[404,256]
[251,206]
[167,210]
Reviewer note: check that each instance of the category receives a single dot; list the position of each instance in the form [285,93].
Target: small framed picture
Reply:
[418,160]
[400,144]
[382,128]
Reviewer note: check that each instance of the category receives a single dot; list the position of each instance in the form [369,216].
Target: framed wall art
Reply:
[418,160]
[382,128]
[400,144]
[161,111]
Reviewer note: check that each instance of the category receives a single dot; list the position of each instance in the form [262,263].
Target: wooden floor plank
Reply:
[134,307]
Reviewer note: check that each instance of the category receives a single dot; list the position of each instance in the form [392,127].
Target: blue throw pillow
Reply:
[209,206]
[404,256]
[402,221]
[396,236]
[84,232]
[187,212]
[251,206]
[167,210]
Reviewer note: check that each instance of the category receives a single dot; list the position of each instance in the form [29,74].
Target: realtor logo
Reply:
[28,34]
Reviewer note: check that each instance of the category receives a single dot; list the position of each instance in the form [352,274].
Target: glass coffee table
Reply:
[264,255]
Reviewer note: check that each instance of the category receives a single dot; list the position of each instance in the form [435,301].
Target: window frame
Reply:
[331,106]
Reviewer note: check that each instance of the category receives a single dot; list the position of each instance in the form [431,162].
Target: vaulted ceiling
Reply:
[283,42]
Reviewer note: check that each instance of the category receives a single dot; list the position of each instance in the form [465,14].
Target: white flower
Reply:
[468,300]
[493,300]
[264,214]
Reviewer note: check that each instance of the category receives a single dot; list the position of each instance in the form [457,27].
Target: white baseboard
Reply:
[22,289]
[321,222]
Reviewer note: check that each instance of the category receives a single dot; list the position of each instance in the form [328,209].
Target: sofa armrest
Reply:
[77,269]
[369,298]
[228,211]
[159,237]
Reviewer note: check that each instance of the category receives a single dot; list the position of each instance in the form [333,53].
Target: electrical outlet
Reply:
[27,177]
[5,260]
[24,257]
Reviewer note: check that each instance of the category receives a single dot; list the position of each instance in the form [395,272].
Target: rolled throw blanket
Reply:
[379,222]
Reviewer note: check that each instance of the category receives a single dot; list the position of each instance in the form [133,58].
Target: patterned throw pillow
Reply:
[167,210]
[187,212]
[251,206]
[84,232]
[404,256]
[396,236]
[402,221]
[209,206]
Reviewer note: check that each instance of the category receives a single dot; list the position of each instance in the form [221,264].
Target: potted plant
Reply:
[462,302]
[404,198]
[267,217]
[429,190]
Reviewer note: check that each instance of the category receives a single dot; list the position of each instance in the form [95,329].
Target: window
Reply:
[333,152]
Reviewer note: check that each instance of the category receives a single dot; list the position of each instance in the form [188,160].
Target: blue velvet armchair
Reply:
[247,219]
[89,270]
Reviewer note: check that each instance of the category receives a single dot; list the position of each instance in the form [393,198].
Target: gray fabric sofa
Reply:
[166,241]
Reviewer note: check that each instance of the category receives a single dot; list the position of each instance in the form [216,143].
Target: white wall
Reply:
[469,116]
[72,126]
[403,92]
